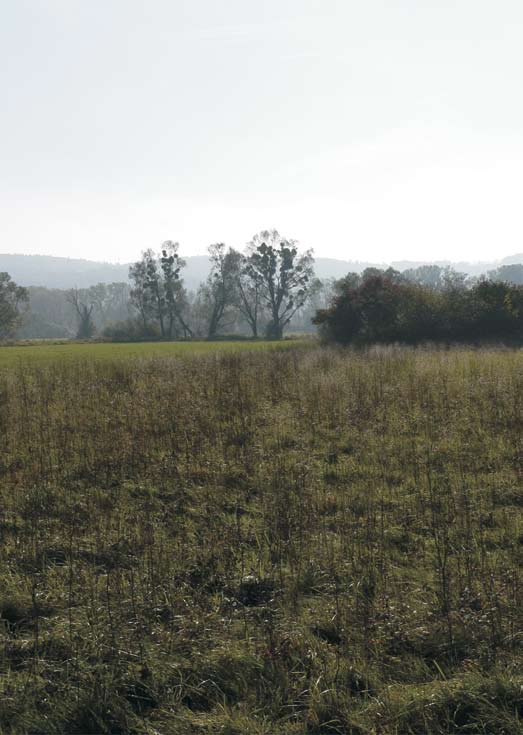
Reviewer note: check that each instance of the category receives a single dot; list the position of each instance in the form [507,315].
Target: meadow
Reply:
[51,351]
[265,542]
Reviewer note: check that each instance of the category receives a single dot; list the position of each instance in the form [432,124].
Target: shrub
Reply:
[380,307]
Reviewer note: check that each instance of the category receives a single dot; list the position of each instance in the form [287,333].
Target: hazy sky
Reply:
[367,129]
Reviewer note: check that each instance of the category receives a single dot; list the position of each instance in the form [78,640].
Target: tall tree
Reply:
[284,274]
[158,292]
[14,300]
[219,293]
[175,298]
[154,287]
[249,295]
[140,297]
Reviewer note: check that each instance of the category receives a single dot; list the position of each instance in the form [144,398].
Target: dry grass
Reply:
[306,541]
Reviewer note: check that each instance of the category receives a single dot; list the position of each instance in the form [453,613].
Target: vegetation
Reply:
[386,306]
[50,352]
[13,299]
[158,293]
[84,312]
[218,295]
[267,289]
[53,315]
[269,542]
[235,298]
[269,282]
[280,275]
[508,273]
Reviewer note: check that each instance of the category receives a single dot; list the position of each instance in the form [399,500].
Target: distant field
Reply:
[50,352]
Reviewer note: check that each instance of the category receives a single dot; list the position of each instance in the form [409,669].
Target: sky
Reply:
[368,130]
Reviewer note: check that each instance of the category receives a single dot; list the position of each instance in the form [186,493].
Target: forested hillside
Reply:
[52,272]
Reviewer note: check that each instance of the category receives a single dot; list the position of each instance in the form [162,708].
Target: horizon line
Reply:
[442,261]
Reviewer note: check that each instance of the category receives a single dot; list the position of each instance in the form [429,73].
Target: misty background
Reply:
[105,289]
[373,132]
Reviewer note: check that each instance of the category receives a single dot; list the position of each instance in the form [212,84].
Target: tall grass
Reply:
[298,541]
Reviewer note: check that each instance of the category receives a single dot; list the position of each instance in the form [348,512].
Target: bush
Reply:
[381,307]
[130,330]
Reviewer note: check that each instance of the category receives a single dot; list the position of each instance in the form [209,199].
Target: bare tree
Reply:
[86,327]
[110,301]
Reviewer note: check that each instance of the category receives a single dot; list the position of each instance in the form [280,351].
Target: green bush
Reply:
[383,307]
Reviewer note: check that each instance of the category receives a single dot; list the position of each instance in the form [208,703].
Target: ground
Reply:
[307,540]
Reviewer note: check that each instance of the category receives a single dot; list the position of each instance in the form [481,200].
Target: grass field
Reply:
[59,351]
[263,542]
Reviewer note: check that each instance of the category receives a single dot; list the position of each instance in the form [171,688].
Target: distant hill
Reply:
[471,269]
[53,272]
[46,270]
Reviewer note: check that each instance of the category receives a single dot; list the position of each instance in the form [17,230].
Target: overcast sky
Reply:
[366,129]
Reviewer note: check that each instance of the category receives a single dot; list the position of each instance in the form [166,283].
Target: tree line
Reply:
[268,288]
[258,292]
[262,289]
[388,306]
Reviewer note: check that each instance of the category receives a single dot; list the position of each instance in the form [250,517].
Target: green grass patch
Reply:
[48,352]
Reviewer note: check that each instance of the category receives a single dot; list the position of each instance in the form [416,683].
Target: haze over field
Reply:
[368,131]
[52,272]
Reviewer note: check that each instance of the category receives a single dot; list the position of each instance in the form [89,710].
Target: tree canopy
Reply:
[379,307]
[283,275]
[14,300]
